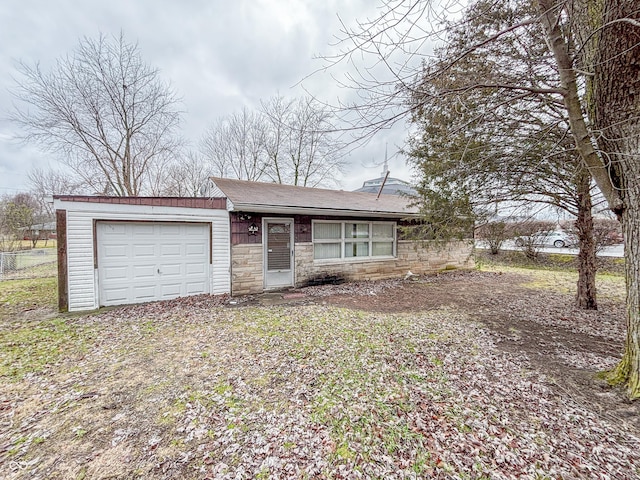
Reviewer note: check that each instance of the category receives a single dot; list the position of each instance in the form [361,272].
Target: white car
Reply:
[556,238]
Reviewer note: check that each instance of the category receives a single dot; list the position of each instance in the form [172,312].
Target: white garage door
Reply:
[142,262]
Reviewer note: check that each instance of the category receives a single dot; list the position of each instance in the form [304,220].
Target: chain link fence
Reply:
[40,262]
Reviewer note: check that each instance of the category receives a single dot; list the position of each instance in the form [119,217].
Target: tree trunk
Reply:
[614,103]
[586,296]
[550,12]
[616,90]
[628,370]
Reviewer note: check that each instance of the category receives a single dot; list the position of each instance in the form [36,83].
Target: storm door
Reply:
[278,253]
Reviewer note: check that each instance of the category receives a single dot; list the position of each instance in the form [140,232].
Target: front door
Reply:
[278,253]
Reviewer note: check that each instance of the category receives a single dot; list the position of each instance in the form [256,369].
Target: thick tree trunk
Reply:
[550,13]
[614,104]
[628,370]
[586,296]
[616,90]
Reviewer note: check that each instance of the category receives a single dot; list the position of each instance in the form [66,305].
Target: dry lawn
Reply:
[199,388]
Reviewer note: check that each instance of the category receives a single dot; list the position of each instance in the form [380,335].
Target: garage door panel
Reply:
[171,250]
[194,288]
[195,269]
[144,271]
[170,230]
[116,251]
[143,229]
[143,262]
[144,250]
[171,290]
[116,272]
[195,230]
[169,269]
[144,293]
[114,296]
[195,250]
[114,229]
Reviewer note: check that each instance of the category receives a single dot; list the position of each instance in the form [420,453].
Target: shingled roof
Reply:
[244,196]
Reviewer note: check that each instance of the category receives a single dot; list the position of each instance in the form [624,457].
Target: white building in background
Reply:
[392,186]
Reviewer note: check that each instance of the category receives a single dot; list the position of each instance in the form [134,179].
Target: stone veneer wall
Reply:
[246,269]
[246,261]
[411,256]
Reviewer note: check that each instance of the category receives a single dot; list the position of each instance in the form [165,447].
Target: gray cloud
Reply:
[218,56]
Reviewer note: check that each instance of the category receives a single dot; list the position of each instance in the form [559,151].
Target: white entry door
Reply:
[278,253]
[143,262]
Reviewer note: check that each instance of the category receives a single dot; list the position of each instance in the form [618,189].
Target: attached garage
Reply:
[123,250]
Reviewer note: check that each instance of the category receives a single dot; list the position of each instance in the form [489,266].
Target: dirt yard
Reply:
[475,375]
[532,315]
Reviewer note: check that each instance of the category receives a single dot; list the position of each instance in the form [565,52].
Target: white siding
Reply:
[221,253]
[81,275]
[80,272]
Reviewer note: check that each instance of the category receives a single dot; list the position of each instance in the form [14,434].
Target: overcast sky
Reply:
[218,55]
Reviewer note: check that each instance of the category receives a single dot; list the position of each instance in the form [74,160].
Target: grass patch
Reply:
[610,287]
[34,346]
[546,261]
[29,345]
[552,276]
[17,295]
[28,244]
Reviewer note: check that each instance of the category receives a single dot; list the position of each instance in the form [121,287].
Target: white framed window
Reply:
[327,240]
[351,240]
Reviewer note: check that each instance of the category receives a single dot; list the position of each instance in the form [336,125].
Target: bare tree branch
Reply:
[104,110]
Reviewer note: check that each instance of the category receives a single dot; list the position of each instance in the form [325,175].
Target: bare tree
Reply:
[301,142]
[235,146]
[157,175]
[187,176]
[494,233]
[601,46]
[104,109]
[18,213]
[289,141]
[45,183]
[277,111]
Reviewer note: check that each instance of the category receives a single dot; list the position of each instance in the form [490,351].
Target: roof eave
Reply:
[295,210]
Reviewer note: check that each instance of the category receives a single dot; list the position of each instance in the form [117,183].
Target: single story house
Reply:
[243,238]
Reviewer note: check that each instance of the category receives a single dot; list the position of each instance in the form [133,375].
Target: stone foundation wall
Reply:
[411,256]
[246,269]
[246,262]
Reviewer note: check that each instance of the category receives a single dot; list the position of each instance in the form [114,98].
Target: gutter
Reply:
[332,212]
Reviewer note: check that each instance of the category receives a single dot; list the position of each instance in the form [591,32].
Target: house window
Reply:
[356,240]
[353,240]
[327,239]
[383,239]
